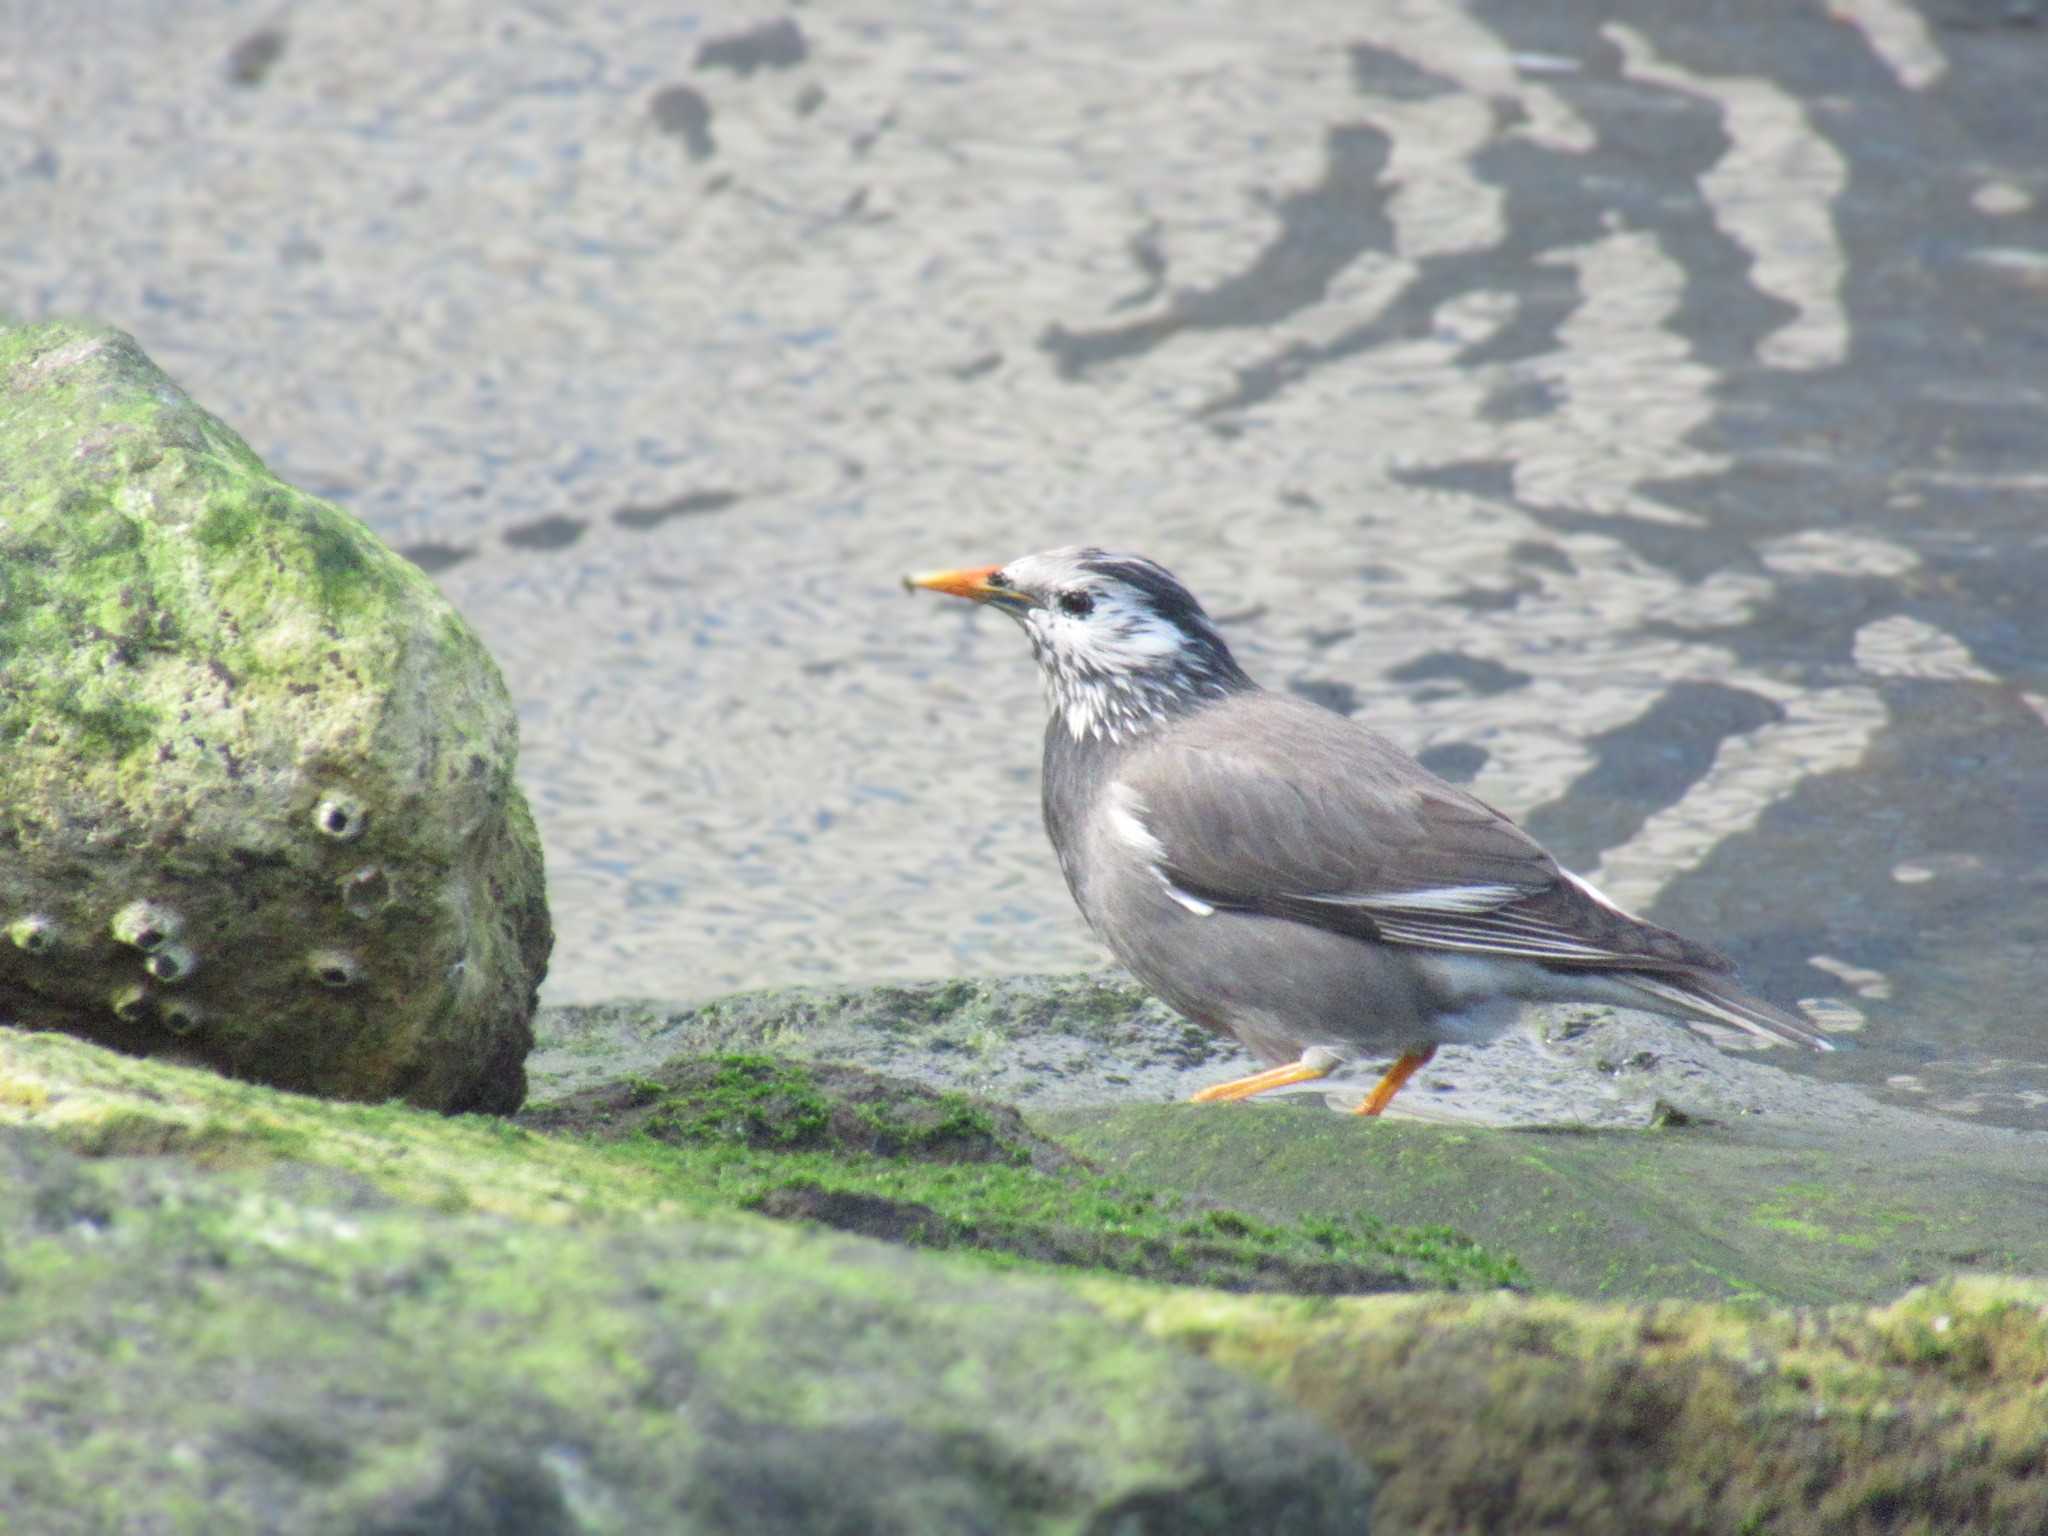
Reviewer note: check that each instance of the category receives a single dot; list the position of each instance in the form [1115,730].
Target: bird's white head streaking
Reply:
[1121,644]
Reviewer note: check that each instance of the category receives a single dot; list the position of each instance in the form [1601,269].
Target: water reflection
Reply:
[1599,408]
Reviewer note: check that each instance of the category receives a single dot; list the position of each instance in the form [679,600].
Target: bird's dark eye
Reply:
[997,579]
[1079,604]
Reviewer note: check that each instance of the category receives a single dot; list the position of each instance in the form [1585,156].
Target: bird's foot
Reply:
[1383,1092]
[1315,1063]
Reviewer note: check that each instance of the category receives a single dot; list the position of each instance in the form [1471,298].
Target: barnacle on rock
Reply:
[34,934]
[171,962]
[146,925]
[236,728]
[341,817]
[334,968]
[180,1017]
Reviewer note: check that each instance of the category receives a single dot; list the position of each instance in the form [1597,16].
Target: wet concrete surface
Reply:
[1641,411]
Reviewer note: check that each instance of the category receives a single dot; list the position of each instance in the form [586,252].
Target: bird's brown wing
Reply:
[1265,803]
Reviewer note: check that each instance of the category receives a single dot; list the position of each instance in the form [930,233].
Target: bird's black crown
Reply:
[1166,596]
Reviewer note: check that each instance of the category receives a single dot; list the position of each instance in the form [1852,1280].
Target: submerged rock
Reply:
[256,776]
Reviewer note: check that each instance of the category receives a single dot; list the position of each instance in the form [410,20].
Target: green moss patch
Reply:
[196,659]
[772,1104]
[368,1317]
[1757,1208]
[278,1349]
[862,1152]
[1504,1413]
[1021,1202]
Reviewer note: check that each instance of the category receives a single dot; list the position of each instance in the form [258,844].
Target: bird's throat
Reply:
[1124,706]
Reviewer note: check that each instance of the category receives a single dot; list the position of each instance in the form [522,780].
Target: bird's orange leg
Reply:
[1410,1063]
[1313,1064]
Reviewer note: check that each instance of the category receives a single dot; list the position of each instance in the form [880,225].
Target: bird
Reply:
[1281,873]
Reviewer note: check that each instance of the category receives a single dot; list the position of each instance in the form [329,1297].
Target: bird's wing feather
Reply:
[1267,804]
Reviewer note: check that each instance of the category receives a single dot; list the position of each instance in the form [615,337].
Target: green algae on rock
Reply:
[1767,1185]
[256,775]
[778,1104]
[232,1310]
[369,1317]
[389,1369]
[847,1148]
[1928,1417]
[1761,1206]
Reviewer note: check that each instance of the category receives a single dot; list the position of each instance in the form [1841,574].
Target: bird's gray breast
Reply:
[1114,864]
[1074,785]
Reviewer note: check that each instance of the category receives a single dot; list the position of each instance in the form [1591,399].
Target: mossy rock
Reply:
[232,1309]
[1928,1417]
[862,1152]
[1759,1208]
[257,803]
[1751,1182]
[772,1103]
[283,1351]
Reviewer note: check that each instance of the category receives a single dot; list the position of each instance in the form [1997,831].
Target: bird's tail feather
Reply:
[1717,1001]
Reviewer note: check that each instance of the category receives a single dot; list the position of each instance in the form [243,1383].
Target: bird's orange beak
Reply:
[971,584]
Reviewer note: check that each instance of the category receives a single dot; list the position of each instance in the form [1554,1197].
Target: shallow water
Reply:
[1646,418]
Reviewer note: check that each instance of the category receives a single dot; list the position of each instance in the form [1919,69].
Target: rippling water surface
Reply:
[1642,410]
